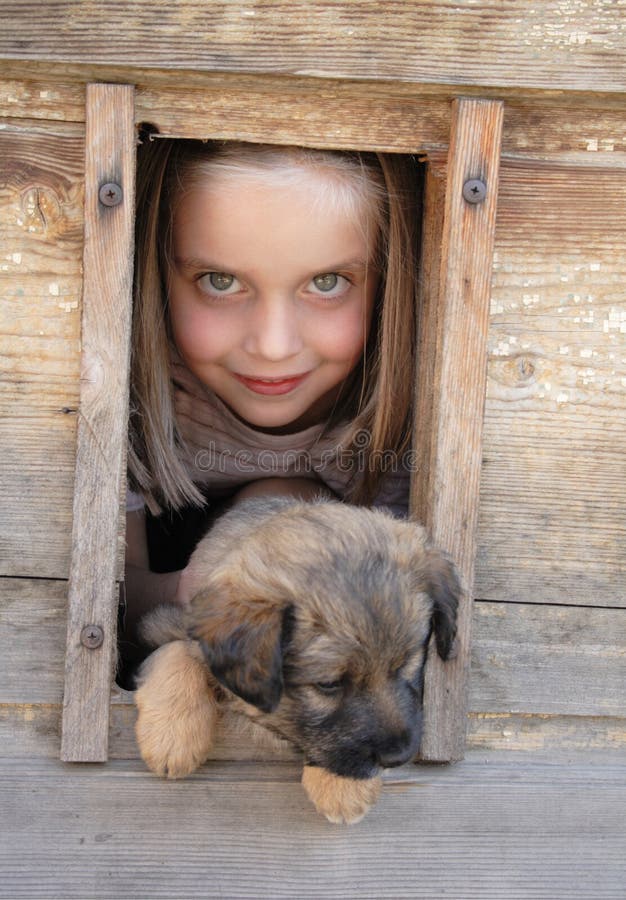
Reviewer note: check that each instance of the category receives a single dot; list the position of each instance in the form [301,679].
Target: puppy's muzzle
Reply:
[385,750]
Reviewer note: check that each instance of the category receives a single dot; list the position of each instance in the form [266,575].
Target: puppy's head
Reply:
[321,626]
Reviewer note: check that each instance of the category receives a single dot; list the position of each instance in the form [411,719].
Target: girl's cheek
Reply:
[340,335]
[198,332]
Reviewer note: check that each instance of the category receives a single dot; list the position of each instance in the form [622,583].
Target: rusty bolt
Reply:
[110,194]
[92,637]
[474,190]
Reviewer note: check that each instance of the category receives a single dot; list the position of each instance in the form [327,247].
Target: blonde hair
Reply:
[376,403]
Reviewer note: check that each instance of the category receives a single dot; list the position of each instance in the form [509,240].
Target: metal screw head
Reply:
[474,190]
[92,637]
[110,194]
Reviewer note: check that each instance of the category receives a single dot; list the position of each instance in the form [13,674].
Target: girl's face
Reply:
[270,297]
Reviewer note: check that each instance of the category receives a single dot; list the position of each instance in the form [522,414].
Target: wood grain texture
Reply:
[452,353]
[541,677]
[583,128]
[290,111]
[557,44]
[33,623]
[41,232]
[101,450]
[552,513]
[33,730]
[552,736]
[549,660]
[480,830]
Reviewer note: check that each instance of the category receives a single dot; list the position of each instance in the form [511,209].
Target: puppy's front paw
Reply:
[177,710]
[341,800]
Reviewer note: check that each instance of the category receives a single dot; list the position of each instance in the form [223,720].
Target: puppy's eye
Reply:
[329,687]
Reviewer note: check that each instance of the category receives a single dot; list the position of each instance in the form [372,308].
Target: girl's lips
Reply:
[272,386]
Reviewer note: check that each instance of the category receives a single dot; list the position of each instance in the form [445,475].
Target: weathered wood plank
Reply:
[552,735]
[586,129]
[541,676]
[50,99]
[452,353]
[552,512]
[589,134]
[36,481]
[556,660]
[33,622]
[33,730]
[481,829]
[41,232]
[101,451]
[310,115]
[333,113]
[548,45]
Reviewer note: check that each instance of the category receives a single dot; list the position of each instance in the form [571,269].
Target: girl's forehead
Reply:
[321,190]
[245,223]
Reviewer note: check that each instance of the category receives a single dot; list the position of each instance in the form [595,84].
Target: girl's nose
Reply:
[274,333]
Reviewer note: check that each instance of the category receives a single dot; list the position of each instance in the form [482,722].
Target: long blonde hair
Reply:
[376,403]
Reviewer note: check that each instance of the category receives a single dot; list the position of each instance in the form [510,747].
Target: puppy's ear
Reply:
[434,575]
[245,651]
[444,589]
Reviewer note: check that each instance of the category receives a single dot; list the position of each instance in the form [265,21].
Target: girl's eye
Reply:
[329,284]
[218,283]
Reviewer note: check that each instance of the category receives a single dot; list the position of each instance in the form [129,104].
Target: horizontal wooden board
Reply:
[525,658]
[36,481]
[540,676]
[553,45]
[52,100]
[482,829]
[298,111]
[30,730]
[32,639]
[585,129]
[552,735]
[548,659]
[552,514]
[41,228]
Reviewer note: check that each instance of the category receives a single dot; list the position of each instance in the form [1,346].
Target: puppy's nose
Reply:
[395,750]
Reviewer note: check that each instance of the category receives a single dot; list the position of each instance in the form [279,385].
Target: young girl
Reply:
[274,332]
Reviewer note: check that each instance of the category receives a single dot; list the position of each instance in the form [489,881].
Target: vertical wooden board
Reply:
[452,371]
[92,600]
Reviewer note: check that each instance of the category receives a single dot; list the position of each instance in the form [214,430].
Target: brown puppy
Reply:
[311,620]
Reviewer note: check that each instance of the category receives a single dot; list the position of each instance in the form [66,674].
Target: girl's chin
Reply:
[276,424]
[280,418]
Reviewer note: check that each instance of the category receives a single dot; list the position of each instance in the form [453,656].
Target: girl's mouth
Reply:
[272,386]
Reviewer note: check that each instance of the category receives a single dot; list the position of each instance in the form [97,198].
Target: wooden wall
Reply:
[549,649]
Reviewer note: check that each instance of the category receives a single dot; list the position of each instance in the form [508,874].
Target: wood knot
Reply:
[526,368]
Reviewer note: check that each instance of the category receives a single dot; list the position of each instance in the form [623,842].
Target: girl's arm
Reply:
[143,589]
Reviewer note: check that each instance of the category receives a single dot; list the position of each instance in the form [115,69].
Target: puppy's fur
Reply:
[311,620]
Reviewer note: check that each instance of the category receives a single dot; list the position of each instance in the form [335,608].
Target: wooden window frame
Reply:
[455,279]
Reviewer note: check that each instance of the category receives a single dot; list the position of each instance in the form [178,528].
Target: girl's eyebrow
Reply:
[193,262]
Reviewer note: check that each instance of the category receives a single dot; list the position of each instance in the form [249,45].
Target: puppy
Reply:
[311,620]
